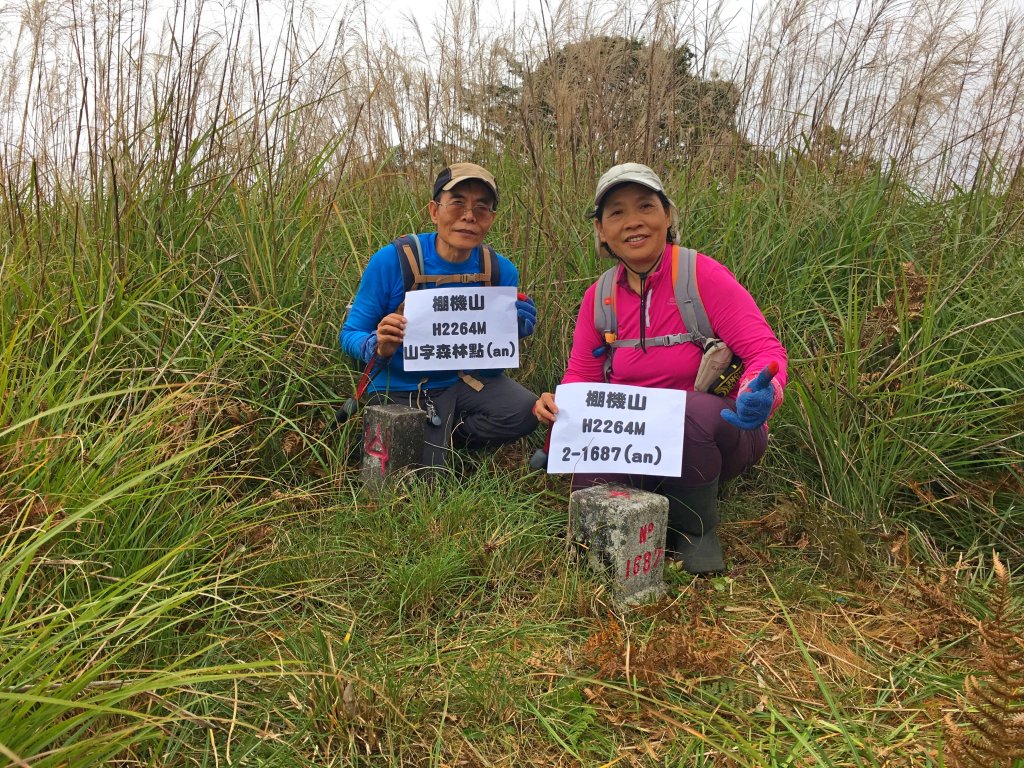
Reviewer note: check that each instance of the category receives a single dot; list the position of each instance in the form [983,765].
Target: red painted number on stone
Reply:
[376,444]
[644,562]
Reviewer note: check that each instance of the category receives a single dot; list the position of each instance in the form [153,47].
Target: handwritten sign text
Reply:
[618,428]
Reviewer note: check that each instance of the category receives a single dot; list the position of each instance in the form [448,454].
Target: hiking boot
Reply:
[692,536]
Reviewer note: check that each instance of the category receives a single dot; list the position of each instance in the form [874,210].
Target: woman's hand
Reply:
[390,333]
[754,404]
[545,409]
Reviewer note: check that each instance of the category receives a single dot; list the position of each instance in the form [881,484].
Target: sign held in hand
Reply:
[618,428]
[461,328]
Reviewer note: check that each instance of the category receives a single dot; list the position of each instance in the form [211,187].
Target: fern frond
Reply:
[990,731]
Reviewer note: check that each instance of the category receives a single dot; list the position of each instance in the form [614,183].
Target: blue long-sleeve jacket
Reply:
[381,290]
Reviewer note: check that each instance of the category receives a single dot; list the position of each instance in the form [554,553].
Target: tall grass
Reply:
[189,573]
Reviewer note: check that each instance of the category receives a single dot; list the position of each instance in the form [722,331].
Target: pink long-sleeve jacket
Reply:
[734,315]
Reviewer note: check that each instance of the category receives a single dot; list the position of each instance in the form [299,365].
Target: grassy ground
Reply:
[192,573]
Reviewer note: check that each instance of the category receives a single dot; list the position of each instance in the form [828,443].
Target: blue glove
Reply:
[755,402]
[526,314]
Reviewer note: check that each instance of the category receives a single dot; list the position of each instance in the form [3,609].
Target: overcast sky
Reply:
[504,12]
[398,18]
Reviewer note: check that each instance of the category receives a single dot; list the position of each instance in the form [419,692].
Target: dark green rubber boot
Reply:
[693,529]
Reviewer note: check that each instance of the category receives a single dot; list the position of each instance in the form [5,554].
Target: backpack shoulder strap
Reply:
[684,281]
[605,320]
[691,308]
[410,258]
[490,269]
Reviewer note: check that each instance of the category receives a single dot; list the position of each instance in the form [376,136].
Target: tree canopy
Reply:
[612,96]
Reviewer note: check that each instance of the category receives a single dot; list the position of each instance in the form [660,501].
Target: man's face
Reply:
[463,215]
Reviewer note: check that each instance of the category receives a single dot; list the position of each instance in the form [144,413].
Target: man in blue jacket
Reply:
[469,407]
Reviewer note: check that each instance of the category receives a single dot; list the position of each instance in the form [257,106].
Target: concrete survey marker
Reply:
[622,530]
[392,442]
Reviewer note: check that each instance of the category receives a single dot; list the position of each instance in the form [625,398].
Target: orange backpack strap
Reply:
[410,256]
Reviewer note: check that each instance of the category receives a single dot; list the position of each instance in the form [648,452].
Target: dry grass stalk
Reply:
[94,99]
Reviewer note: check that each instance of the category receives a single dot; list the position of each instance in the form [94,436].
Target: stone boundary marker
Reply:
[392,442]
[623,532]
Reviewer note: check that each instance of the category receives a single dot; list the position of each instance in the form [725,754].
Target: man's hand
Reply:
[526,314]
[545,409]
[390,333]
[754,404]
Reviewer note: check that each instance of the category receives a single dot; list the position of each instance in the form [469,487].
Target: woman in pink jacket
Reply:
[637,224]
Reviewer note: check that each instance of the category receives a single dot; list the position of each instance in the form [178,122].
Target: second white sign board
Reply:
[618,428]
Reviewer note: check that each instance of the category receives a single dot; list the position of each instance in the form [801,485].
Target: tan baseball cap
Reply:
[456,173]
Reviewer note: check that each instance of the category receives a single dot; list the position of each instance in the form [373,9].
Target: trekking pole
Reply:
[350,406]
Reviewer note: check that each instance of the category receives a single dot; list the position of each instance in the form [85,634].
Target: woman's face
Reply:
[634,223]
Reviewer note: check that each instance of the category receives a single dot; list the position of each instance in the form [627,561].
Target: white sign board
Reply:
[454,328]
[618,428]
